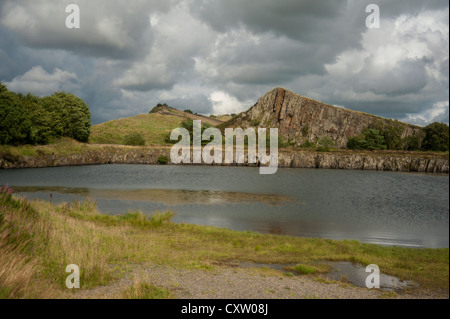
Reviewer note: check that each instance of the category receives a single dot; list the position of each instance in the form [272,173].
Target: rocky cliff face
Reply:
[288,158]
[300,119]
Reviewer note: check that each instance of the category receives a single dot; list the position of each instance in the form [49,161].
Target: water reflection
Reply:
[171,197]
[386,208]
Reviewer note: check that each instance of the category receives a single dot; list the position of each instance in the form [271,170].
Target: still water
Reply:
[403,209]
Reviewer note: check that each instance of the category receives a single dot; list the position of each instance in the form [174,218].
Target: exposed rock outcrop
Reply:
[301,119]
[382,161]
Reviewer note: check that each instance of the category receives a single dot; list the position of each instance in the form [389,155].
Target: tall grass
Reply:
[141,289]
[22,238]
[38,240]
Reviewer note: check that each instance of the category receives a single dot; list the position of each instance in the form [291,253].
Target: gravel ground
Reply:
[245,283]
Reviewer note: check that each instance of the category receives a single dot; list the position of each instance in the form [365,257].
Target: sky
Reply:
[219,57]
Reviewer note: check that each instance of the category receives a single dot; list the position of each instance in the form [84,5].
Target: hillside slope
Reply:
[153,127]
[300,119]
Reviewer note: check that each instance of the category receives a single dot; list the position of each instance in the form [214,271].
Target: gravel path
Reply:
[244,283]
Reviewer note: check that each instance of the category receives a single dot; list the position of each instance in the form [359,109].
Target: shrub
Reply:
[144,290]
[305,131]
[134,140]
[188,111]
[163,160]
[305,269]
[370,139]
[325,144]
[308,144]
[255,122]
[158,219]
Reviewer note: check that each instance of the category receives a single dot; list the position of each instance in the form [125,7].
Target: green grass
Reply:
[62,147]
[144,290]
[152,127]
[39,240]
[305,269]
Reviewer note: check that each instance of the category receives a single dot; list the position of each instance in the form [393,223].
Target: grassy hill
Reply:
[153,127]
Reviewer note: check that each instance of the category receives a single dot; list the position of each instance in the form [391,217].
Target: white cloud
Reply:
[404,61]
[40,82]
[178,40]
[223,103]
[438,113]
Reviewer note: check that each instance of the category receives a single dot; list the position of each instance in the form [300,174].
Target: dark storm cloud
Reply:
[113,29]
[293,18]
[221,56]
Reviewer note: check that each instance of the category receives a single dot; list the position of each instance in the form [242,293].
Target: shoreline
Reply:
[77,154]
[132,251]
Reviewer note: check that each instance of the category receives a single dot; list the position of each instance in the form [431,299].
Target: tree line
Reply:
[29,119]
[382,136]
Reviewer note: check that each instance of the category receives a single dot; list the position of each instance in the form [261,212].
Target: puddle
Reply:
[346,272]
[356,274]
[166,196]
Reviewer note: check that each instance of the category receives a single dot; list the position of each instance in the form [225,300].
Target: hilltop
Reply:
[154,127]
[301,120]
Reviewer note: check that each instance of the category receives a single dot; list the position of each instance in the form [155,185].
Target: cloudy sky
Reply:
[215,56]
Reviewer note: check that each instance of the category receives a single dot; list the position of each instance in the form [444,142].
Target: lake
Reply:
[403,209]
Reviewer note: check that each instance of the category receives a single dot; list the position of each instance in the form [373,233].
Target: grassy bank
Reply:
[38,240]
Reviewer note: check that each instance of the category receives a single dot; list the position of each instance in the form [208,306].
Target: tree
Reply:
[391,131]
[41,121]
[414,142]
[373,140]
[355,142]
[14,121]
[370,139]
[76,116]
[436,137]
[28,119]
[3,88]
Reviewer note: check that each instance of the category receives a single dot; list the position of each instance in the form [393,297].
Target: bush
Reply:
[134,140]
[370,139]
[255,122]
[305,269]
[188,111]
[305,131]
[308,144]
[325,144]
[163,160]
[158,219]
